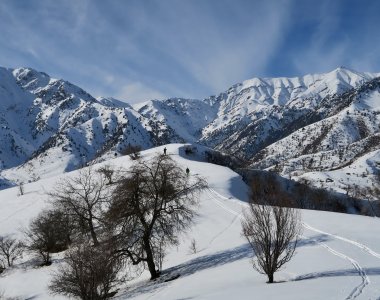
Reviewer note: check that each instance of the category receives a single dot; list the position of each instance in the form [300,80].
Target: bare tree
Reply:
[82,198]
[150,207]
[10,250]
[48,233]
[107,172]
[272,232]
[89,273]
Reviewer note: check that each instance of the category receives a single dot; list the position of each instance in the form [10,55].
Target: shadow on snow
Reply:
[337,273]
[202,263]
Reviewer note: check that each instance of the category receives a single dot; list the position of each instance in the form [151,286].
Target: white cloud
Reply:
[319,59]
[138,51]
[217,54]
[138,92]
[326,51]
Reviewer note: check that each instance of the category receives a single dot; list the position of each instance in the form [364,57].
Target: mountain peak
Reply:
[345,68]
[43,118]
[112,102]
[28,72]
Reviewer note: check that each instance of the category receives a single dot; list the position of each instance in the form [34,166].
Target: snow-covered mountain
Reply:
[186,117]
[315,123]
[260,111]
[45,121]
[323,122]
[344,139]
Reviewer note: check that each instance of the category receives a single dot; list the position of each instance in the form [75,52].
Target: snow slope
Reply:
[333,260]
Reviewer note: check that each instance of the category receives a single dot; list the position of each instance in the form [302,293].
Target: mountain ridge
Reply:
[60,122]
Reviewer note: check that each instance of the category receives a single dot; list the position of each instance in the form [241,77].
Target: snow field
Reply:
[337,257]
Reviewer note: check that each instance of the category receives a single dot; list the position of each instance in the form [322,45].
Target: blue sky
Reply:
[143,49]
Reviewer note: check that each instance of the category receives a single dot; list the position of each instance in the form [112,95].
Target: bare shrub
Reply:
[133,151]
[48,233]
[189,150]
[193,247]
[89,273]
[21,189]
[108,172]
[10,250]
[267,190]
[82,198]
[224,159]
[150,207]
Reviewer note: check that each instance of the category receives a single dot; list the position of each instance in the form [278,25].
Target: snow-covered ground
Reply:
[338,256]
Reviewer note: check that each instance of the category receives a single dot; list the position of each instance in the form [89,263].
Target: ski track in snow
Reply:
[219,203]
[365,279]
[19,210]
[359,245]
[237,216]
[26,206]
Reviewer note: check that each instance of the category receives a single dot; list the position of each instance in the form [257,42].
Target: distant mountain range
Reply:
[323,128]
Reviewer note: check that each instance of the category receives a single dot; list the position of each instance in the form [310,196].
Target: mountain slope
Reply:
[337,141]
[45,120]
[278,123]
[330,254]
[185,117]
[258,112]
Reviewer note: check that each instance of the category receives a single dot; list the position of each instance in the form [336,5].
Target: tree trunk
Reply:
[93,233]
[270,278]
[149,260]
[9,261]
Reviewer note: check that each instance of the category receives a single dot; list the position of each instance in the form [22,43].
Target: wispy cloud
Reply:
[136,49]
[338,33]
[321,52]
[220,48]
[138,92]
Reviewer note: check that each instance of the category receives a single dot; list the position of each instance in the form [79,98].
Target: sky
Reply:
[136,50]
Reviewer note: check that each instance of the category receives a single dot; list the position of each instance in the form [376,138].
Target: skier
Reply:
[165,151]
[187,171]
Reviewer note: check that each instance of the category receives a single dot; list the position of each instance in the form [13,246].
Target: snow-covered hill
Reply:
[333,260]
[315,123]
